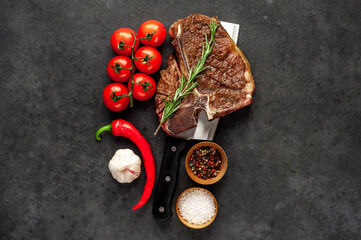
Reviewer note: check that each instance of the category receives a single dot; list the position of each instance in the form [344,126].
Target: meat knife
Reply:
[205,130]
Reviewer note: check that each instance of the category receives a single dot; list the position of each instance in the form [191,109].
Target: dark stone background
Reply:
[294,155]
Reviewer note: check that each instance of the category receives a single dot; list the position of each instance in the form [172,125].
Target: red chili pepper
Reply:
[125,129]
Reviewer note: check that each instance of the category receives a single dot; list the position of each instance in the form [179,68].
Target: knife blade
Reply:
[205,130]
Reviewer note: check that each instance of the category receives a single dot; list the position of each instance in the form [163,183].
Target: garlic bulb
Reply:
[125,166]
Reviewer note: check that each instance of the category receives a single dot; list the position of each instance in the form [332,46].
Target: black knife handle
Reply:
[167,179]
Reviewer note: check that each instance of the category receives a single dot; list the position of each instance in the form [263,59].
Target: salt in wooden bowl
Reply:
[192,225]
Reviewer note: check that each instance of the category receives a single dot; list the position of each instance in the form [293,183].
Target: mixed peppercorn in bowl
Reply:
[206,163]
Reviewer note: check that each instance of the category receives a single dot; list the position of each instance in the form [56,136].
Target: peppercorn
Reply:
[205,162]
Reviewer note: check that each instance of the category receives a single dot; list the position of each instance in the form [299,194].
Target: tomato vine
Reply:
[118,68]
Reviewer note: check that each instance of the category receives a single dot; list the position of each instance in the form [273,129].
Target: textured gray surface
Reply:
[294,155]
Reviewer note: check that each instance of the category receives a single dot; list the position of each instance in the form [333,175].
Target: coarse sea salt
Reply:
[197,206]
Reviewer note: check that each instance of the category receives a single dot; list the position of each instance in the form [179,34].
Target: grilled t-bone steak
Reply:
[225,86]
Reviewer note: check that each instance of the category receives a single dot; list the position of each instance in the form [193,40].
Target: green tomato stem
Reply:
[131,78]
[130,94]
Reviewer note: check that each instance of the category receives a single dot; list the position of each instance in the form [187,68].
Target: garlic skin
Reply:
[125,166]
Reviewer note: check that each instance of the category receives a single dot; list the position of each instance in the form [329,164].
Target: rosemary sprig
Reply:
[186,86]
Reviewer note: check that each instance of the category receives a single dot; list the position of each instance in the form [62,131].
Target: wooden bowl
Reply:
[222,171]
[191,225]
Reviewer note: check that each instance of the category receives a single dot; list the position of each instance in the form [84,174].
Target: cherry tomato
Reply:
[123,36]
[144,86]
[112,99]
[152,62]
[114,68]
[152,27]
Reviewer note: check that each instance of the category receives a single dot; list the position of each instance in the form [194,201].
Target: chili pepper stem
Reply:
[102,129]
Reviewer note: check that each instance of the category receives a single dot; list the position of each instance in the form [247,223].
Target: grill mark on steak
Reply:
[225,86]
